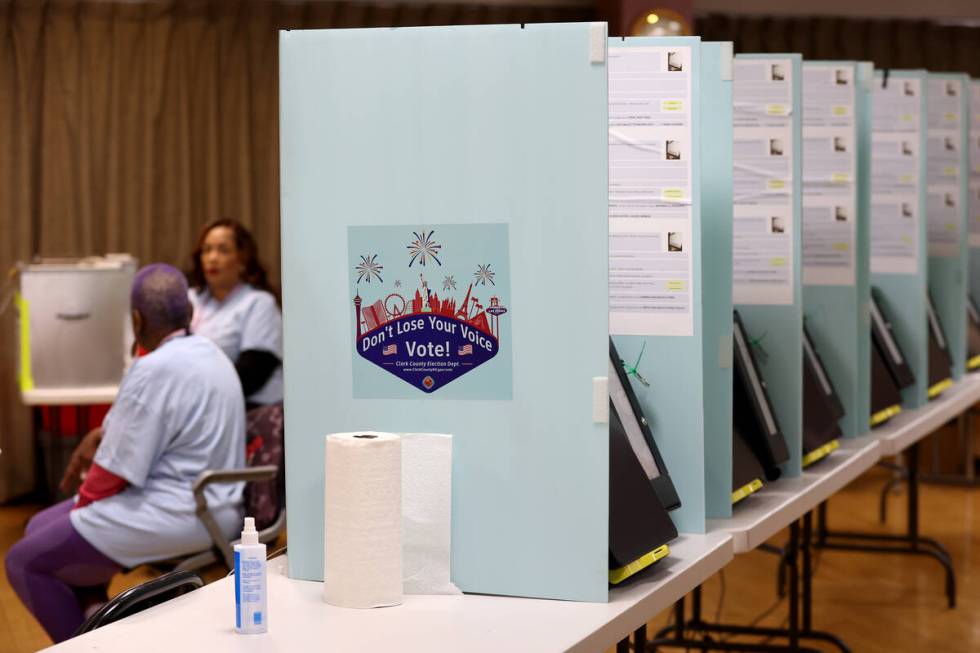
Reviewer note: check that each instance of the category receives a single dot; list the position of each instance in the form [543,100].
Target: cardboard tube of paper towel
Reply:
[362,538]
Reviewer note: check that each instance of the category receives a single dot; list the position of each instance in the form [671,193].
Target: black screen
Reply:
[822,408]
[884,339]
[973,332]
[638,522]
[884,393]
[940,362]
[636,428]
[753,415]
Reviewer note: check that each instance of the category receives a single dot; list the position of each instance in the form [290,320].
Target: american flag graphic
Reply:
[390,350]
[465,350]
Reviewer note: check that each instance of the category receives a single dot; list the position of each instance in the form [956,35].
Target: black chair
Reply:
[139,598]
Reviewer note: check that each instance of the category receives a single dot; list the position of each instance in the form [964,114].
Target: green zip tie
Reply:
[633,371]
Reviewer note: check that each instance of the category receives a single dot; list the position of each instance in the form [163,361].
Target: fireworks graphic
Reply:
[449,283]
[369,267]
[424,248]
[484,275]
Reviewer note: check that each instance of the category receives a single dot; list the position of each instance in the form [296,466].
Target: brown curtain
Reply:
[888,43]
[127,126]
[20,92]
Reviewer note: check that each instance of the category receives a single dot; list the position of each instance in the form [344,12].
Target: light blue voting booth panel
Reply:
[674,400]
[716,270]
[835,304]
[973,206]
[863,406]
[776,330]
[947,179]
[903,293]
[410,156]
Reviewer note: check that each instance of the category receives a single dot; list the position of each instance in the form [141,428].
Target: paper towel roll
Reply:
[362,557]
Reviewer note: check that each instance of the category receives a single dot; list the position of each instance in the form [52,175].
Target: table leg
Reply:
[794,589]
[909,543]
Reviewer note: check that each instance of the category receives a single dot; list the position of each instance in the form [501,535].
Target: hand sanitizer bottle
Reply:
[251,615]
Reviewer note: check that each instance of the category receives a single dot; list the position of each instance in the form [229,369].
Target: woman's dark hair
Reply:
[254,273]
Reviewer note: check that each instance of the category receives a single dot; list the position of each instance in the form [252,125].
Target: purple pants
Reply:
[50,565]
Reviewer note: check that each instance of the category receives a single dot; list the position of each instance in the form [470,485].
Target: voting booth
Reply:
[899,263]
[75,330]
[74,334]
[445,270]
[836,240]
[973,205]
[947,187]
[767,289]
[973,227]
[670,254]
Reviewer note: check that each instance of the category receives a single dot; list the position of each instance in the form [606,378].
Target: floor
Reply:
[876,603]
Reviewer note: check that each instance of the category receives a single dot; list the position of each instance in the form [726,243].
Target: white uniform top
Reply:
[179,412]
[246,319]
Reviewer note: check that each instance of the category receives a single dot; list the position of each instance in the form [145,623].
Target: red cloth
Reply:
[99,484]
[69,421]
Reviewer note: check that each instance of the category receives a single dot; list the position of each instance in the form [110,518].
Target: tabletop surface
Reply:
[776,505]
[70,396]
[298,617]
[763,514]
[908,427]
[202,620]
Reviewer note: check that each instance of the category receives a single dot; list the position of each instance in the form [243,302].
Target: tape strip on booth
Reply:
[821,452]
[644,561]
[746,490]
[885,415]
[24,377]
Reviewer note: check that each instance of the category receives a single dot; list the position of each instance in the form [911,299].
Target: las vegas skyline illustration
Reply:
[427,302]
[424,250]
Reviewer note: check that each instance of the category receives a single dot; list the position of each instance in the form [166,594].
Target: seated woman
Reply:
[235,307]
[179,412]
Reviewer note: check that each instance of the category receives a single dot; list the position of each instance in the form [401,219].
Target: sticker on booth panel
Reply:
[431,309]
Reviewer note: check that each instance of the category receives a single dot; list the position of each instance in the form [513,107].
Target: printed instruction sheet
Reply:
[943,153]
[895,174]
[763,182]
[650,188]
[829,173]
[974,206]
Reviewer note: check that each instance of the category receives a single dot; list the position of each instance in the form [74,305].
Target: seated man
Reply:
[179,411]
